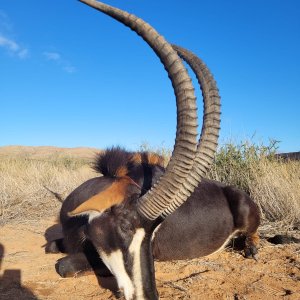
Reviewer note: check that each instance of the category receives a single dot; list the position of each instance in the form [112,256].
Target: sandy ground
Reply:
[26,272]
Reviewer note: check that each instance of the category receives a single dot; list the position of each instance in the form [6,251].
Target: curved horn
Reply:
[152,204]
[211,123]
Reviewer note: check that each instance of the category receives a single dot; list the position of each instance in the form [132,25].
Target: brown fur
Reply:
[119,165]
[149,158]
[252,239]
[136,158]
[154,159]
[113,195]
[122,171]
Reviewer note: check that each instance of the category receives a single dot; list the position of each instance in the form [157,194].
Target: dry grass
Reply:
[272,183]
[23,195]
[276,188]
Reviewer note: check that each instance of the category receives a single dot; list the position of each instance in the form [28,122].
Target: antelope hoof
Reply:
[51,247]
[251,252]
[64,268]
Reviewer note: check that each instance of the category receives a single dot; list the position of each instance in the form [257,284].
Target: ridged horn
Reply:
[210,129]
[152,204]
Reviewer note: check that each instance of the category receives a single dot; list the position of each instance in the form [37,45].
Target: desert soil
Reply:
[26,272]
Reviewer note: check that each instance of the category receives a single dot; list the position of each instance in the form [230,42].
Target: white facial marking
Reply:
[135,251]
[154,232]
[115,263]
[93,214]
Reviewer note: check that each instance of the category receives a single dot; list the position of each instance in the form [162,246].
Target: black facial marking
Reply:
[114,230]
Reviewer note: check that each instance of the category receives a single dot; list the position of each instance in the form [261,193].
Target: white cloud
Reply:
[13,47]
[60,61]
[69,69]
[23,53]
[52,56]
[5,23]
[8,43]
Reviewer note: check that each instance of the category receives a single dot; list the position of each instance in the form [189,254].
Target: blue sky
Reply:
[71,76]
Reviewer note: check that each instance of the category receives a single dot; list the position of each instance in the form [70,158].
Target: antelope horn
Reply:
[152,204]
[211,124]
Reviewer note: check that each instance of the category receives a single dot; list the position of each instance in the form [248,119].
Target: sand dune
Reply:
[46,151]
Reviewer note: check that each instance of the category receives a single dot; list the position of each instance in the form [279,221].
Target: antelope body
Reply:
[202,225]
[138,209]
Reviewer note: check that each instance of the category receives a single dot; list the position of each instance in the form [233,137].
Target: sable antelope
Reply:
[115,216]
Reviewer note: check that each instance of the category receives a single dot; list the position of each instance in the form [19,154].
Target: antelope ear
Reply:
[114,194]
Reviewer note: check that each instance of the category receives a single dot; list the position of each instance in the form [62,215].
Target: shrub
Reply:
[273,183]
